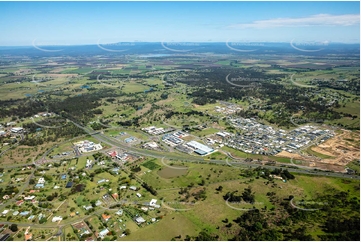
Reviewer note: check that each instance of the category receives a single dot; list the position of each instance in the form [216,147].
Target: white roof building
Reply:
[139,220]
[29,198]
[103,233]
[56,219]
[153,202]
[134,188]
[16,129]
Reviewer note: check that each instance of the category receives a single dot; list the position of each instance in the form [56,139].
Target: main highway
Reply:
[188,158]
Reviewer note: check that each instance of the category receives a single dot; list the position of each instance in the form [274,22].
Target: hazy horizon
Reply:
[89,23]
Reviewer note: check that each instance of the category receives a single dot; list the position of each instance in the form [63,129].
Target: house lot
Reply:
[82,229]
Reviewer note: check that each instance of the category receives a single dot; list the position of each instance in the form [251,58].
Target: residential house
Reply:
[105,217]
[56,219]
[28,237]
[139,220]
[5,211]
[24,213]
[153,202]
[88,207]
[88,164]
[19,203]
[69,185]
[113,154]
[10,123]
[134,188]
[103,233]
[119,212]
[39,185]
[29,198]
[115,196]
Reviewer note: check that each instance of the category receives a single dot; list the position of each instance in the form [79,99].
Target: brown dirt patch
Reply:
[344,147]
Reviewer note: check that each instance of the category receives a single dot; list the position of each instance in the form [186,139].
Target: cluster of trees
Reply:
[285,174]
[21,108]
[290,99]
[247,196]
[204,235]
[81,108]
[96,126]
[136,169]
[77,188]
[131,122]
[352,86]
[171,113]
[8,190]
[69,130]
[52,196]
[337,216]
[201,194]
[149,188]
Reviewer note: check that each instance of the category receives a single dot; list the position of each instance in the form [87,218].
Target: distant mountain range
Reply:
[185,48]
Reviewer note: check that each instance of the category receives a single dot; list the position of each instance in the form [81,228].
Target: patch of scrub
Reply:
[168,172]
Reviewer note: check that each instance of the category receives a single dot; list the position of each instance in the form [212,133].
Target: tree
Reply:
[127,232]
[220,188]
[13,227]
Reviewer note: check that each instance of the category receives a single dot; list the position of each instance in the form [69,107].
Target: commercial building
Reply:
[200,148]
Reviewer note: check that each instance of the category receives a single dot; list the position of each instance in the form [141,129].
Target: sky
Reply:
[77,23]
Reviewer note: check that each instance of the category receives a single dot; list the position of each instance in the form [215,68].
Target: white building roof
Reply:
[55,219]
[200,146]
[153,202]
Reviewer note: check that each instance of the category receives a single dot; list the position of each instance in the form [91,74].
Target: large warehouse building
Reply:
[199,148]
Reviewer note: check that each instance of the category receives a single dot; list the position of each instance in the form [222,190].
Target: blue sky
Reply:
[66,23]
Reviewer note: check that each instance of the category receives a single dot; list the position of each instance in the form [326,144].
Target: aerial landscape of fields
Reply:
[181,139]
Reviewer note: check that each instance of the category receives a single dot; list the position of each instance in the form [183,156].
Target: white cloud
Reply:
[314,20]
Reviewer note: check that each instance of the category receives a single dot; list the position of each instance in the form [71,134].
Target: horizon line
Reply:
[199,42]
